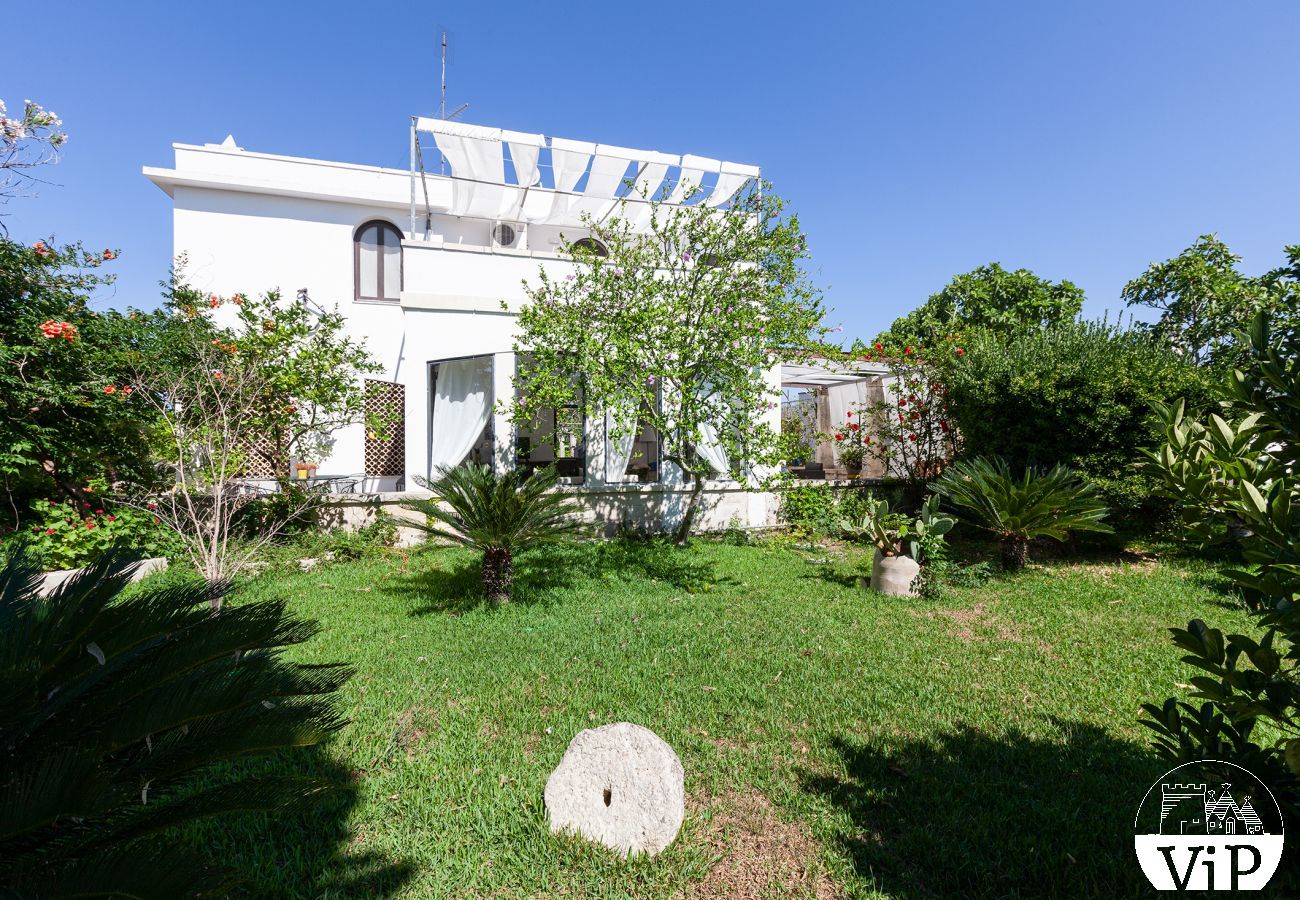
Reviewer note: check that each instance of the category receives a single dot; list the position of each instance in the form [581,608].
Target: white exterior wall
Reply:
[251,223]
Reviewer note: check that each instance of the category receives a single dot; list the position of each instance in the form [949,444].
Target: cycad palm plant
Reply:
[497,515]
[114,714]
[1020,508]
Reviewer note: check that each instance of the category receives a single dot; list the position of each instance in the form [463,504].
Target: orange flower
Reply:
[110,390]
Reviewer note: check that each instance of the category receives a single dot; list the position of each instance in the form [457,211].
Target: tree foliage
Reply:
[675,328]
[65,424]
[1236,473]
[1079,394]
[987,298]
[1205,301]
[119,718]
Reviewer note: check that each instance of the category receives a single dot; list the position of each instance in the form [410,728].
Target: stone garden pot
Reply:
[894,575]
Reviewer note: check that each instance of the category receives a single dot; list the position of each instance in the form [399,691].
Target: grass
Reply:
[835,742]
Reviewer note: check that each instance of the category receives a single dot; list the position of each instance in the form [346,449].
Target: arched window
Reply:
[377,252]
[590,245]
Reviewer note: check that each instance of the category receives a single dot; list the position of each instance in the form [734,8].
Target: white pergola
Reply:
[555,181]
[826,373]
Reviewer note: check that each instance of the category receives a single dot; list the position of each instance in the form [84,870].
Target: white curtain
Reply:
[620,441]
[710,448]
[461,405]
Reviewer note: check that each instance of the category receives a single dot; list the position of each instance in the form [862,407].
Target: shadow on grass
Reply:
[975,815]
[306,852]
[543,573]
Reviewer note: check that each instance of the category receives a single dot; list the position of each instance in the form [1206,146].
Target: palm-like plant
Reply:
[114,714]
[1018,509]
[497,515]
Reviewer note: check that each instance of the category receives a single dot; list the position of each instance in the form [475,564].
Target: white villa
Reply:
[420,261]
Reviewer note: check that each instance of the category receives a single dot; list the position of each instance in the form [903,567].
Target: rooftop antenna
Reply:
[442,104]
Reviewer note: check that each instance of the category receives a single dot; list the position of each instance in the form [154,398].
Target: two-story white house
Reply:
[419,262]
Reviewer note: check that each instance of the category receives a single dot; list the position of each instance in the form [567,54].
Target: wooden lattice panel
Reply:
[258,457]
[385,405]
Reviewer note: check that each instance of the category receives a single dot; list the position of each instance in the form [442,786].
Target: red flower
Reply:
[49,531]
[99,512]
[112,518]
[854,425]
[912,438]
[40,248]
[110,390]
[87,505]
[908,351]
[156,520]
[90,526]
[943,423]
[838,436]
[880,346]
[961,352]
[153,505]
[108,254]
[849,414]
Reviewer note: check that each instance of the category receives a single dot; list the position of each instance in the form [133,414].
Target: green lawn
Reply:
[836,742]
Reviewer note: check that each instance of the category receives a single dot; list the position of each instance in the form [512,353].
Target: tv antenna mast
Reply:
[442,104]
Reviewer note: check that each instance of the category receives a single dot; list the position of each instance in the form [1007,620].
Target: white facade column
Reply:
[503,401]
[595,438]
[762,504]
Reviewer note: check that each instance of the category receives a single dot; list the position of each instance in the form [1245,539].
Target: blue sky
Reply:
[915,140]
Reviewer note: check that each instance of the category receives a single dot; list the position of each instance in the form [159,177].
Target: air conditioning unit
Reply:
[509,236]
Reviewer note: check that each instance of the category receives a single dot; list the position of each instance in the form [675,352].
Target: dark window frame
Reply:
[590,245]
[383,226]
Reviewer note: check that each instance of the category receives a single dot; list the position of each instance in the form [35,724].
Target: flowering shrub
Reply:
[851,440]
[69,535]
[912,433]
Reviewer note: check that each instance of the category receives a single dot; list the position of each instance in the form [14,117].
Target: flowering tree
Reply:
[226,399]
[914,438]
[674,329]
[28,140]
[851,440]
[310,370]
[60,428]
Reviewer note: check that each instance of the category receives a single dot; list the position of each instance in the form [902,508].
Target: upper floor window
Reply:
[590,245]
[378,255]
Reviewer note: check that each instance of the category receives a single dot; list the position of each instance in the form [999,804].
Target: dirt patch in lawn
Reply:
[977,623]
[760,854]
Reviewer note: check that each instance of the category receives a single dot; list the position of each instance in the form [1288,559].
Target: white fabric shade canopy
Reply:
[476,156]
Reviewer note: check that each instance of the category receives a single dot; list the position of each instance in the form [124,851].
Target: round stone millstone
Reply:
[619,785]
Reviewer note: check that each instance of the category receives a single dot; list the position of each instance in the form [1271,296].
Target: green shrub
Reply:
[818,509]
[66,536]
[1078,394]
[1017,509]
[1237,472]
[120,717]
[372,539]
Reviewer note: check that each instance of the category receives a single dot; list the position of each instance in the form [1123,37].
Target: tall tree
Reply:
[1205,302]
[63,424]
[674,329]
[988,298]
